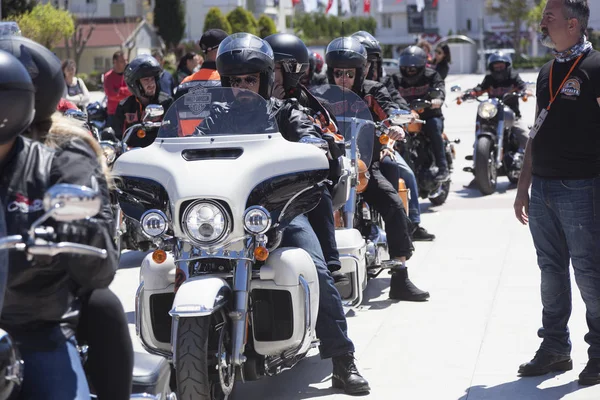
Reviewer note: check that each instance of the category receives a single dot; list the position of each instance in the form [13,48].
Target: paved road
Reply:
[480,324]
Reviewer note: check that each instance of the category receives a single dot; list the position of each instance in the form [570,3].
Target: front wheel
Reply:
[196,374]
[442,194]
[485,165]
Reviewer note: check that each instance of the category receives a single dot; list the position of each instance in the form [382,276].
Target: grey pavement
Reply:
[467,342]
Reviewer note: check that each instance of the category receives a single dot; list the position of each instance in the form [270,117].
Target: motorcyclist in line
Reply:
[41,305]
[311,77]
[346,60]
[500,80]
[291,63]
[102,322]
[207,75]
[142,76]
[246,61]
[414,81]
[398,169]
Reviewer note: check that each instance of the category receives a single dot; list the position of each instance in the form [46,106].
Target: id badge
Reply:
[538,123]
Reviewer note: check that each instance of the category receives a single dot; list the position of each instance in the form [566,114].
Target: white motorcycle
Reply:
[218,297]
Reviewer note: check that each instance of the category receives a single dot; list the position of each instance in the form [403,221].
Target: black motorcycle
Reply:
[496,149]
[417,151]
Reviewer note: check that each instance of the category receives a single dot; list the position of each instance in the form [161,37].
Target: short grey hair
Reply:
[578,9]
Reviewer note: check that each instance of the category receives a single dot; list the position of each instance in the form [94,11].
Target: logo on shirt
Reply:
[572,87]
[24,205]
[130,118]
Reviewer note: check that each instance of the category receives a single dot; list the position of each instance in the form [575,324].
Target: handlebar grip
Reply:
[67,247]
[10,242]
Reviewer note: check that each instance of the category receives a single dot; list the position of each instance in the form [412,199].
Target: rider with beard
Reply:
[500,80]
[398,169]
[291,63]
[346,60]
[247,62]
[102,323]
[414,81]
[41,303]
[142,76]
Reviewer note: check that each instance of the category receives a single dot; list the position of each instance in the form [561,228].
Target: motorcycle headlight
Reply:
[257,220]
[110,153]
[205,222]
[487,110]
[154,223]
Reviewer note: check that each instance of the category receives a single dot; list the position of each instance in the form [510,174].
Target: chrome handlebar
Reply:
[43,248]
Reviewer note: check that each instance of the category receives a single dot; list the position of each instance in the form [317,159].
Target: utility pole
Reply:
[0,10]
[481,33]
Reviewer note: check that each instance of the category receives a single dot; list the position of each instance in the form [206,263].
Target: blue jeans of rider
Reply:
[321,219]
[433,129]
[564,219]
[53,368]
[393,170]
[332,328]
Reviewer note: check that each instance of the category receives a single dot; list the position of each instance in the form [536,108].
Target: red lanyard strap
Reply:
[553,96]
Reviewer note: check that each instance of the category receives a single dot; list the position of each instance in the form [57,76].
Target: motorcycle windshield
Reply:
[210,111]
[348,109]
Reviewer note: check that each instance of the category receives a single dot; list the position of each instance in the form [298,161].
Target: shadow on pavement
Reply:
[522,389]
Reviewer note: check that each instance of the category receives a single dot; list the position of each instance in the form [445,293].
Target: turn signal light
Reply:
[459,101]
[384,139]
[159,256]
[261,253]
[525,98]
[141,133]
[363,178]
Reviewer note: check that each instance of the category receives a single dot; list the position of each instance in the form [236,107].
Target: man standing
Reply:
[207,75]
[115,87]
[562,166]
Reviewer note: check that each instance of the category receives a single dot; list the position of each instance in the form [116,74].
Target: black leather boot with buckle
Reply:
[346,375]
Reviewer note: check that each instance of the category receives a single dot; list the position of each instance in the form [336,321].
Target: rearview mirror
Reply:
[72,202]
[400,117]
[419,104]
[455,88]
[435,93]
[153,111]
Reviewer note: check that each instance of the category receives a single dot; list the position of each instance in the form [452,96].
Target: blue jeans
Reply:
[53,369]
[332,328]
[564,219]
[321,219]
[393,170]
[433,129]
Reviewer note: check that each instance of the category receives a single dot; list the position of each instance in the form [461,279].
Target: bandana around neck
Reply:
[581,47]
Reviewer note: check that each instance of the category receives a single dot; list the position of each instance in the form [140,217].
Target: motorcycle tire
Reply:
[192,361]
[441,199]
[485,172]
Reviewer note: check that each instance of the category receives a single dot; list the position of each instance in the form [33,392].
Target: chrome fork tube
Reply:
[241,287]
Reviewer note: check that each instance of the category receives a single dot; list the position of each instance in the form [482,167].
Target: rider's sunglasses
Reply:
[250,81]
[339,73]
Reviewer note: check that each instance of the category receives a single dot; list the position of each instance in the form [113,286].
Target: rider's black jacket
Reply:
[496,88]
[380,104]
[394,94]
[430,80]
[131,111]
[41,293]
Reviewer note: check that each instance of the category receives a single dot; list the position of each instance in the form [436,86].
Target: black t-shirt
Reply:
[567,146]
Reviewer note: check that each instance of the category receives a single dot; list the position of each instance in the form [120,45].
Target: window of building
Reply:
[431,19]
[469,25]
[386,21]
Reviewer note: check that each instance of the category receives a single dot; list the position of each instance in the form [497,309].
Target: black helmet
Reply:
[11,367]
[143,66]
[346,52]
[500,57]
[45,70]
[374,52]
[412,57]
[245,54]
[292,53]
[17,98]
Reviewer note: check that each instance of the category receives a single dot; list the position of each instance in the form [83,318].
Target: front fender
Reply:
[200,296]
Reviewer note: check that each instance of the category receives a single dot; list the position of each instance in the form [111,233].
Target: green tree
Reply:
[14,8]
[216,20]
[46,25]
[512,11]
[242,20]
[266,26]
[534,15]
[169,19]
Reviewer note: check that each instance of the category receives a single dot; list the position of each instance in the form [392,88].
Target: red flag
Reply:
[367,6]
[435,3]
[296,2]
[329,5]
[398,1]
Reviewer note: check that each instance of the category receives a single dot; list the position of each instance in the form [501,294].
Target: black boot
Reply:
[420,234]
[545,362]
[346,375]
[591,373]
[401,288]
